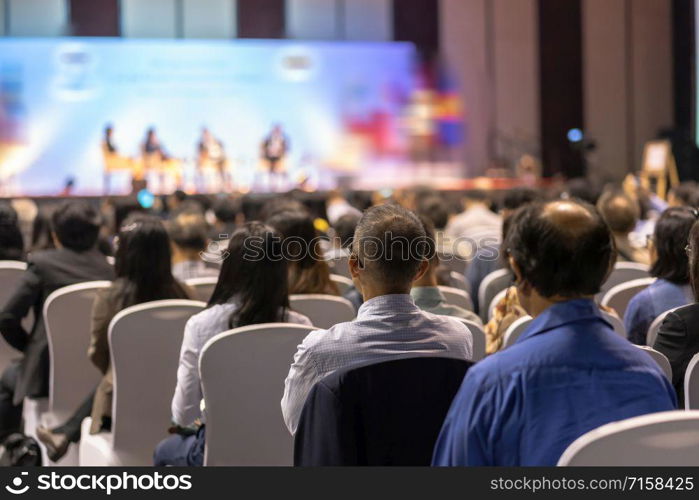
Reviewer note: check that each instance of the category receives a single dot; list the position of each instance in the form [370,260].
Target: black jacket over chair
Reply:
[382,414]
[678,339]
[47,271]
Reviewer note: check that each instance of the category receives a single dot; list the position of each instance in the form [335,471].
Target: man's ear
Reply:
[424,265]
[516,271]
[354,267]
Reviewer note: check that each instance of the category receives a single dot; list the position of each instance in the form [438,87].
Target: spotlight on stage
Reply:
[145,198]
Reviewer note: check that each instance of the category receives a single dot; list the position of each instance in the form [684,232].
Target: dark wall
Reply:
[417,21]
[261,19]
[94,17]
[561,68]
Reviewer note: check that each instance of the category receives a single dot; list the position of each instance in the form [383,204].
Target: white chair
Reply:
[459,281]
[616,323]
[494,303]
[478,335]
[691,384]
[623,272]
[324,311]
[659,358]
[457,297]
[343,284]
[491,285]
[11,272]
[453,262]
[618,297]
[144,343]
[515,330]
[242,376]
[203,287]
[340,265]
[665,439]
[654,328]
[72,377]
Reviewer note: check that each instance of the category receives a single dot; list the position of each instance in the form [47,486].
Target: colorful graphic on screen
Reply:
[212,106]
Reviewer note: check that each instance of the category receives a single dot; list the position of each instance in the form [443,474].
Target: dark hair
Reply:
[76,224]
[435,209]
[619,211]
[520,196]
[430,238]
[11,241]
[308,273]
[280,204]
[694,259]
[583,189]
[687,193]
[142,263]
[345,227]
[188,231]
[41,232]
[385,225]
[570,257]
[254,277]
[670,239]
[477,195]
[227,210]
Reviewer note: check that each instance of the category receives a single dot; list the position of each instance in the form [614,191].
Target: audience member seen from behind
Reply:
[251,289]
[143,274]
[308,271]
[11,241]
[569,372]
[678,337]
[389,325]
[621,214]
[477,222]
[684,195]
[74,226]
[188,233]
[671,268]
[42,238]
[426,292]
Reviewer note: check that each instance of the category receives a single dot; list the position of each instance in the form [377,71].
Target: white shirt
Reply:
[478,224]
[386,328]
[199,329]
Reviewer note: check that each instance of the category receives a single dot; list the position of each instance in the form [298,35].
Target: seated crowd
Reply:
[567,373]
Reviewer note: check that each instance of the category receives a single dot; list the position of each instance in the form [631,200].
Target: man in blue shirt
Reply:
[569,372]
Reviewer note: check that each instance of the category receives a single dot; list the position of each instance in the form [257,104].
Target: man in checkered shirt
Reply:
[386,259]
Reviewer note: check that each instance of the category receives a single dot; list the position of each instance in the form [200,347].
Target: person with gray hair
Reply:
[389,254]
[188,233]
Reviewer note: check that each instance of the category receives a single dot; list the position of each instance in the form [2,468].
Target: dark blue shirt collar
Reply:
[561,314]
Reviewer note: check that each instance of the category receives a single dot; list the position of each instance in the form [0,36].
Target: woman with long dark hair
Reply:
[678,337]
[143,274]
[252,289]
[308,271]
[670,265]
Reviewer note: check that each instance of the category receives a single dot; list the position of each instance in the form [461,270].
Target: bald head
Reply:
[619,211]
[562,248]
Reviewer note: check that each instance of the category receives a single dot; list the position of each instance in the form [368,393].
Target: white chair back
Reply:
[623,272]
[459,281]
[478,335]
[691,384]
[242,376]
[618,297]
[340,265]
[453,262]
[11,272]
[654,328]
[516,329]
[491,285]
[666,439]
[659,358]
[203,287]
[494,303]
[457,297]
[145,342]
[324,311]
[67,318]
[616,323]
[343,284]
